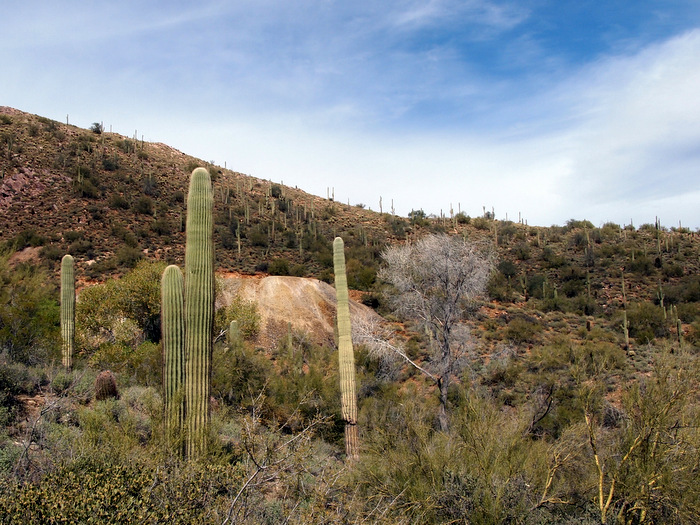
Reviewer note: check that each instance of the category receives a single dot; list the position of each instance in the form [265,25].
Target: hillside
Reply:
[580,375]
[111,200]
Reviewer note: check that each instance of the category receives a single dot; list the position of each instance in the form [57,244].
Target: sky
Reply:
[545,110]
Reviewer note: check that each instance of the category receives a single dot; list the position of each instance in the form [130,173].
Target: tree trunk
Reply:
[443,384]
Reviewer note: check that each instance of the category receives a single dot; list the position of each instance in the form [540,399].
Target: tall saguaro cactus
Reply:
[346,358]
[187,322]
[173,328]
[199,309]
[67,309]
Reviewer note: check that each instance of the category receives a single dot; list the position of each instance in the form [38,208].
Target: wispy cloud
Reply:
[550,110]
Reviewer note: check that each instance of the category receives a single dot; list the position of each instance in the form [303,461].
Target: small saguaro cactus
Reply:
[173,330]
[346,358]
[67,309]
[233,337]
[199,309]
[106,386]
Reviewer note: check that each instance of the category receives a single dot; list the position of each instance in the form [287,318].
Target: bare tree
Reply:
[436,282]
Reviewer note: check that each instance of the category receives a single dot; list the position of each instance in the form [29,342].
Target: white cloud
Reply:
[367,99]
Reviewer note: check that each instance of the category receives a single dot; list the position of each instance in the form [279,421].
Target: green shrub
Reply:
[144,205]
[523,330]
[161,226]
[641,265]
[245,312]
[646,321]
[118,202]
[279,266]
[110,163]
[29,314]
[128,256]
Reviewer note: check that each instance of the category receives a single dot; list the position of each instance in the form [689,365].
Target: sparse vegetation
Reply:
[553,417]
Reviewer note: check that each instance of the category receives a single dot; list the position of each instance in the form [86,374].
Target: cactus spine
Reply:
[67,309]
[173,329]
[199,309]
[346,359]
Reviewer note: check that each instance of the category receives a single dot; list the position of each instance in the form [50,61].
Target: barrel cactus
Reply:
[346,357]
[106,386]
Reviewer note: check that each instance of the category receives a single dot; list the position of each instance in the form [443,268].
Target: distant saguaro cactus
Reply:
[173,330]
[67,309]
[346,358]
[199,308]
[106,386]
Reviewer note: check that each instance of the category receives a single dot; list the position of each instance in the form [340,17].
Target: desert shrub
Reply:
[298,270]
[80,247]
[646,321]
[258,236]
[73,235]
[361,275]
[499,287]
[178,196]
[573,224]
[276,191]
[305,388]
[22,240]
[672,270]
[124,311]
[15,379]
[128,256]
[144,205]
[463,218]
[641,265]
[552,259]
[481,223]
[279,266]
[239,375]
[536,285]
[161,226]
[245,312]
[521,251]
[106,490]
[120,232]
[110,163]
[136,364]
[412,474]
[418,217]
[508,268]
[523,330]
[118,202]
[51,252]
[29,313]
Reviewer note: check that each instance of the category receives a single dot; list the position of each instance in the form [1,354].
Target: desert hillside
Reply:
[564,390]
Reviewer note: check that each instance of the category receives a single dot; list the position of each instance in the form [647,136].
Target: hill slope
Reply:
[111,200]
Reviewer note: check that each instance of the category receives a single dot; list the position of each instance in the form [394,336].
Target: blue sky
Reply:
[549,109]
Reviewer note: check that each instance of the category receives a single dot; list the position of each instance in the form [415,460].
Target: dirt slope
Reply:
[307,305]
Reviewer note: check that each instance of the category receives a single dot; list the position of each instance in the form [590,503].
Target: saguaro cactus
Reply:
[173,329]
[67,309]
[199,309]
[346,358]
